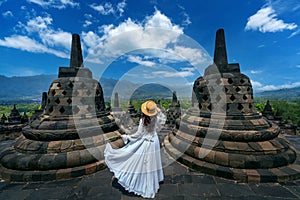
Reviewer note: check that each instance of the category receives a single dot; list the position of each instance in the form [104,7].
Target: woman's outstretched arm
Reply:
[137,134]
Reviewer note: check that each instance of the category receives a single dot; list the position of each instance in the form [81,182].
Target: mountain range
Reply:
[289,94]
[30,88]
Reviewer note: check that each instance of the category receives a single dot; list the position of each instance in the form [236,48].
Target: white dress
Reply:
[137,165]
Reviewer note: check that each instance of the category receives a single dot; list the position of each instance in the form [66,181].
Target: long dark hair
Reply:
[146,119]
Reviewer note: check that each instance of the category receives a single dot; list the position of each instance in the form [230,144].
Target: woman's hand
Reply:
[125,138]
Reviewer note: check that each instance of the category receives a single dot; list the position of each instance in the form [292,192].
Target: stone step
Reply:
[281,174]
[51,175]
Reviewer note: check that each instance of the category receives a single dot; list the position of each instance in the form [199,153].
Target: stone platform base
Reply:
[281,174]
[50,175]
[69,172]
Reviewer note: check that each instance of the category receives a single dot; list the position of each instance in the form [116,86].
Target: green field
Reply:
[28,108]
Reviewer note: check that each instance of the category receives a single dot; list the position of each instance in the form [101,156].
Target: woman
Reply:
[137,165]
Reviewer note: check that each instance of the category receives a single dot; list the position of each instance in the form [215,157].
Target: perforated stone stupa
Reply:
[268,112]
[116,107]
[64,142]
[174,111]
[14,116]
[224,135]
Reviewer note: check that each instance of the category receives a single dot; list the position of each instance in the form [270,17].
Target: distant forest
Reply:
[288,110]
[26,92]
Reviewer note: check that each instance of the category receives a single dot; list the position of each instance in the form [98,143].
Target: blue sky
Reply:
[157,39]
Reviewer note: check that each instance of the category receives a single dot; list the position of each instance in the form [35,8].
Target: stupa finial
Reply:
[76,60]
[76,68]
[220,55]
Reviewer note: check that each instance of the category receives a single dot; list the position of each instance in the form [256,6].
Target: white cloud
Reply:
[187,19]
[26,44]
[88,16]
[57,38]
[108,8]
[44,39]
[159,20]
[161,41]
[294,33]
[87,23]
[49,36]
[140,61]
[190,84]
[194,56]
[121,6]
[187,69]
[260,87]
[265,20]
[89,20]
[185,72]
[7,14]
[59,4]
[256,84]
[255,71]
[38,24]
[297,7]
[156,32]
[90,38]
[105,9]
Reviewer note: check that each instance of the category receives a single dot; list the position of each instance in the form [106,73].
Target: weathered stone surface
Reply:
[223,134]
[174,111]
[14,116]
[68,140]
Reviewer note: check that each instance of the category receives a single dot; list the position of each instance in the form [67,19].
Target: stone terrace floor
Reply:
[180,183]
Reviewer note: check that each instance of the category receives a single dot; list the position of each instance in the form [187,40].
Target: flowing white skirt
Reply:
[137,165]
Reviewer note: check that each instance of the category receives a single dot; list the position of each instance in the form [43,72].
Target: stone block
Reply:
[91,168]
[73,158]
[211,156]
[46,161]
[86,157]
[222,158]
[63,173]
[237,160]
[253,175]
[79,171]
[224,172]
[255,146]
[48,175]
[17,176]
[230,145]
[54,146]
[267,146]
[266,175]
[60,161]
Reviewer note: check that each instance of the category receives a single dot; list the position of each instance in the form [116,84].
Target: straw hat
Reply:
[149,108]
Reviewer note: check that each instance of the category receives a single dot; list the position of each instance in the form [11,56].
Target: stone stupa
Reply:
[268,111]
[3,119]
[14,116]
[224,135]
[69,138]
[116,107]
[174,111]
